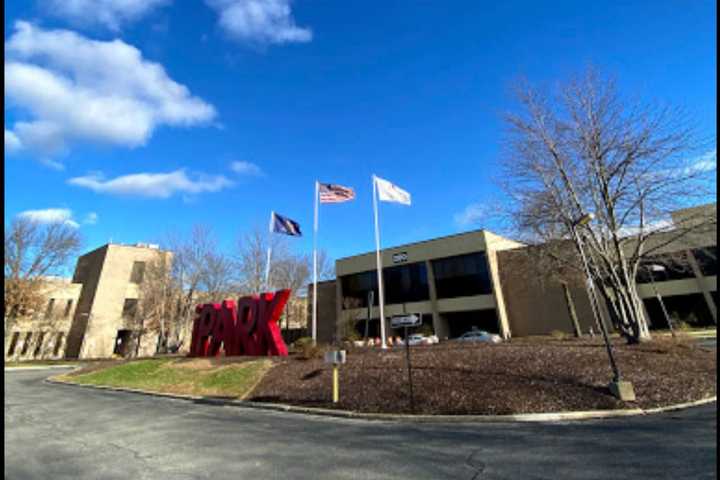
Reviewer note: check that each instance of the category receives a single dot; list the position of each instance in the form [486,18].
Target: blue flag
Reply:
[284,225]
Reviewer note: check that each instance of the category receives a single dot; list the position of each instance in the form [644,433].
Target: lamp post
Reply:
[621,389]
[660,268]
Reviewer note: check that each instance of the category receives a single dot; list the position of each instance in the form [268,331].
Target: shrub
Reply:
[306,350]
[558,335]
[682,325]
[426,330]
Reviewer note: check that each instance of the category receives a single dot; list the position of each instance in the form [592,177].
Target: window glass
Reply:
[26,343]
[68,308]
[355,289]
[462,276]
[138,272]
[50,308]
[129,308]
[58,343]
[401,284]
[406,283]
[707,260]
[39,344]
[13,343]
[673,266]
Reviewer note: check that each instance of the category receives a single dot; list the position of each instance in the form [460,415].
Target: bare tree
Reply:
[251,260]
[195,272]
[32,251]
[587,149]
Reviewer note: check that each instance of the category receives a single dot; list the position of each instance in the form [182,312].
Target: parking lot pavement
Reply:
[66,432]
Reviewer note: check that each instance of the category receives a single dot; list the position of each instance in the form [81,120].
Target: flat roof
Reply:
[444,237]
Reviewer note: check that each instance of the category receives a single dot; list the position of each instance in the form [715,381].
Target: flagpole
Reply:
[381,297]
[269,251]
[315,264]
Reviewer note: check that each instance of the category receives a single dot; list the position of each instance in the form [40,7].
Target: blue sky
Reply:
[127,117]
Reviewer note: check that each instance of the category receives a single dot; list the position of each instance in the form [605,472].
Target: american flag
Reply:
[331,193]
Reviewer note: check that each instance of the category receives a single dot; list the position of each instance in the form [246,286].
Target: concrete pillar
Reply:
[491,256]
[439,326]
[338,307]
[701,283]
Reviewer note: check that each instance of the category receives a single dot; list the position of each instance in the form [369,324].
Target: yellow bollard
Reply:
[336,384]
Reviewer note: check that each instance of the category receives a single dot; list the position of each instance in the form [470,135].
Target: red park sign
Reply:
[248,327]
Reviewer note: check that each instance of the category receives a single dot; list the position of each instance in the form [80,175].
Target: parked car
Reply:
[479,336]
[418,339]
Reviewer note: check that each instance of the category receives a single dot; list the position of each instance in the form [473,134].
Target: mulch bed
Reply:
[508,378]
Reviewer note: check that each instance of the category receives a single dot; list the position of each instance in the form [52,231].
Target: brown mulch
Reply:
[512,377]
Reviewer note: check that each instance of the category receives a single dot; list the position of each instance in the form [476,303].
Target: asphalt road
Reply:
[66,432]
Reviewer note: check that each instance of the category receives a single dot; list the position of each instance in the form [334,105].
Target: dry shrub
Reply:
[558,335]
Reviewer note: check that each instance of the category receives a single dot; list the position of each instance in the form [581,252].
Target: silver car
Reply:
[479,336]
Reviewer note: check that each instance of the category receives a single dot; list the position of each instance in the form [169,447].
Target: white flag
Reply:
[388,192]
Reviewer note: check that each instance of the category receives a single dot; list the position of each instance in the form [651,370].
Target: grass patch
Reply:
[169,376]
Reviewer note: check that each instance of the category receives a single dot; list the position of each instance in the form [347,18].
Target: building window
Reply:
[58,343]
[13,343]
[50,308]
[675,267]
[38,346]
[26,343]
[138,272]
[68,308]
[406,283]
[355,289]
[707,260]
[462,276]
[80,275]
[129,308]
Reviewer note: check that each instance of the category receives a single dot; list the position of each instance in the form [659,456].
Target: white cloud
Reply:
[50,215]
[706,162]
[12,142]
[246,168]
[91,218]
[260,21]
[650,227]
[79,89]
[153,185]
[109,13]
[472,215]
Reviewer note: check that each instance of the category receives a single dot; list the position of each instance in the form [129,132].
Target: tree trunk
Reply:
[571,309]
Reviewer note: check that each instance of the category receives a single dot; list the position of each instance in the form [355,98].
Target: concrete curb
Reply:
[37,367]
[390,417]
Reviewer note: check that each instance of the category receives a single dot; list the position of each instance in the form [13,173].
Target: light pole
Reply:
[660,268]
[621,389]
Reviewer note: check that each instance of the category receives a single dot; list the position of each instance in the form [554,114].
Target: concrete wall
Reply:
[326,311]
[426,251]
[113,288]
[535,300]
[49,326]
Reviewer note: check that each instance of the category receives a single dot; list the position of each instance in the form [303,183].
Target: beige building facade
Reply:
[452,282]
[44,334]
[94,314]
[481,280]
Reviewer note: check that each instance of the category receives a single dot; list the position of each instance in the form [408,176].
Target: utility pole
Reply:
[619,388]
[660,268]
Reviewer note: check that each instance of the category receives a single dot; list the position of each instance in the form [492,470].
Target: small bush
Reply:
[558,335]
[682,325]
[306,350]
[352,336]
[426,330]
[301,342]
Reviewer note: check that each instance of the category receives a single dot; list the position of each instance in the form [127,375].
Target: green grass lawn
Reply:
[174,376]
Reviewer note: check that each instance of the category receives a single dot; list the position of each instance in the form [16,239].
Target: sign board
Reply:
[400,257]
[401,321]
[335,357]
